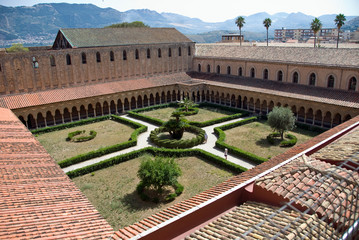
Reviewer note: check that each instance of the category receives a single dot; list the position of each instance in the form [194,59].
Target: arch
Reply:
[179,51]
[58,117]
[270,106]
[169,52]
[67,115]
[233,100]
[74,114]
[83,58]
[145,101]
[124,55]
[193,97]
[253,73]
[112,56]
[112,107]
[251,104]
[52,61]
[159,53]
[279,104]
[178,95]
[40,120]
[217,97]
[199,67]
[189,50]
[21,118]
[295,77]
[312,79]
[98,109]
[83,113]
[347,117]
[265,74]
[119,106]
[68,59]
[257,106]
[49,119]
[98,57]
[208,68]
[139,101]
[133,103]
[157,99]
[228,100]
[168,99]
[152,100]
[163,97]
[222,99]
[212,97]
[330,81]
[137,56]
[218,69]
[245,103]
[31,123]
[228,70]
[309,117]
[301,114]
[174,95]
[264,108]
[327,120]
[208,96]
[280,76]
[294,110]
[148,53]
[126,105]
[337,119]
[318,118]
[239,101]
[240,71]
[352,84]
[105,108]
[90,111]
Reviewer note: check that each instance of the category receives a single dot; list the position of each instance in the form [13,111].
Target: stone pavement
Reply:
[143,141]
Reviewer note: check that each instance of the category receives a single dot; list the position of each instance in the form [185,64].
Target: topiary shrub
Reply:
[271,137]
[72,136]
[289,143]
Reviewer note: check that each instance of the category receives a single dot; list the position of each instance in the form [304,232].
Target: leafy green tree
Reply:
[316,25]
[128,25]
[281,119]
[159,172]
[267,23]
[186,103]
[176,125]
[17,47]
[339,21]
[240,22]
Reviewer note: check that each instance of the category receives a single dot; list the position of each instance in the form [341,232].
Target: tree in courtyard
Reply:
[240,22]
[186,103]
[17,47]
[128,25]
[316,25]
[339,21]
[176,125]
[267,23]
[281,119]
[158,173]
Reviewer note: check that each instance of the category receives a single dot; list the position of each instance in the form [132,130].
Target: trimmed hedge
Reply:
[106,150]
[191,111]
[206,156]
[174,143]
[289,143]
[234,150]
[72,136]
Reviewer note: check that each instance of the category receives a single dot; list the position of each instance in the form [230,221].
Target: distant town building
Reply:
[303,35]
[232,38]
[354,36]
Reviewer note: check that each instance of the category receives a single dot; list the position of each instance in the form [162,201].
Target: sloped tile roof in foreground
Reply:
[37,199]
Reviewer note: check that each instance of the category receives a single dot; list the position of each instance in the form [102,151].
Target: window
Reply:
[240,71]
[179,51]
[265,74]
[52,61]
[352,84]
[98,57]
[229,70]
[199,67]
[295,78]
[189,51]
[208,68]
[148,53]
[112,56]
[136,54]
[312,79]
[253,73]
[280,76]
[83,56]
[169,52]
[218,69]
[330,81]
[159,53]
[124,55]
[68,59]
[0,67]
[35,64]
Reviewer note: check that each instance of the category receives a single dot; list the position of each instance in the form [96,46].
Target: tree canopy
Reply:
[128,25]
[240,22]
[267,23]
[315,25]
[17,47]
[281,119]
[339,21]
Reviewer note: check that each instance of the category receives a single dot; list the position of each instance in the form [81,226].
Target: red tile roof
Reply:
[37,199]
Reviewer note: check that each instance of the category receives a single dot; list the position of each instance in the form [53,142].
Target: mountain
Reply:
[40,23]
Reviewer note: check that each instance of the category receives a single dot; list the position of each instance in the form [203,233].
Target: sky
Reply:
[217,11]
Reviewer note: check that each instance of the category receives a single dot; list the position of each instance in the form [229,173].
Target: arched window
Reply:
[112,56]
[352,84]
[179,51]
[148,53]
[68,59]
[189,50]
[240,71]
[229,70]
[208,68]
[83,56]
[312,79]
[159,53]
[253,73]
[169,52]
[124,55]
[98,57]
[199,67]
[330,81]
[280,76]
[295,78]
[218,69]
[136,54]
[265,74]
[52,61]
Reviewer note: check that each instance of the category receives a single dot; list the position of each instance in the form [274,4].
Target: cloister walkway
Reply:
[143,141]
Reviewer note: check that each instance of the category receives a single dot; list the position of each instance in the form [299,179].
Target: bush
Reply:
[72,136]
[289,143]
[272,136]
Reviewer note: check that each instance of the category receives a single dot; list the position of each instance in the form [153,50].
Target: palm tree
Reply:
[240,22]
[339,21]
[267,22]
[316,25]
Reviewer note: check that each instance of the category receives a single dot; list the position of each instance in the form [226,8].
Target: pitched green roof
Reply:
[99,37]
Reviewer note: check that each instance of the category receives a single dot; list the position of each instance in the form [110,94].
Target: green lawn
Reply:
[252,138]
[112,190]
[108,133]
